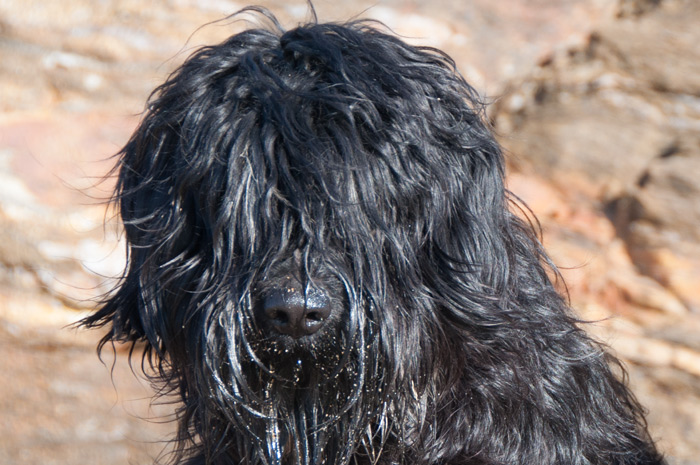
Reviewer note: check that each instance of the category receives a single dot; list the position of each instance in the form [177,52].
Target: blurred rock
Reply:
[59,405]
[659,218]
[646,292]
[658,45]
[617,119]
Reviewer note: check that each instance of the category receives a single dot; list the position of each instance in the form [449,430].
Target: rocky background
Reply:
[597,102]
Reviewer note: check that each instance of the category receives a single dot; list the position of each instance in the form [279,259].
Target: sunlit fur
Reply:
[340,157]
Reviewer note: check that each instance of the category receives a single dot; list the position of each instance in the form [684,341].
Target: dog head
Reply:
[321,258]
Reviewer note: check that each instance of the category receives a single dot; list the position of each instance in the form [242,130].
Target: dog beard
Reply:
[304,401]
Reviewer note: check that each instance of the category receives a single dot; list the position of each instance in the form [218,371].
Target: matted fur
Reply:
[338,157]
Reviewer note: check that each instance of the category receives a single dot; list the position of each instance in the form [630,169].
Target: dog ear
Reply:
[160,228]
[172,175]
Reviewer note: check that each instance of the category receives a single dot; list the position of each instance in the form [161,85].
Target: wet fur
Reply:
[338,157]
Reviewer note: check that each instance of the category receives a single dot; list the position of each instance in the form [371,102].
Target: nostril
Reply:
[277,316]
[283,315]
[318,314]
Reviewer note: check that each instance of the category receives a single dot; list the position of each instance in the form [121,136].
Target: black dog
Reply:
[323,266]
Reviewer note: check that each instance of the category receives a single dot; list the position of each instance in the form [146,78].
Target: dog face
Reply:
[323,266]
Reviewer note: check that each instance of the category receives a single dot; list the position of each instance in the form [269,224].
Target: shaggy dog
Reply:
[324,268]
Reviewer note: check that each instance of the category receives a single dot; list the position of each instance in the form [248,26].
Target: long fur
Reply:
[362,166]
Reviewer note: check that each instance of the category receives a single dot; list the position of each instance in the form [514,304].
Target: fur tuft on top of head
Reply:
[337,166]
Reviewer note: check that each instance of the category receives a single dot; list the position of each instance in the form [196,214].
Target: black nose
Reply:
[296,313]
